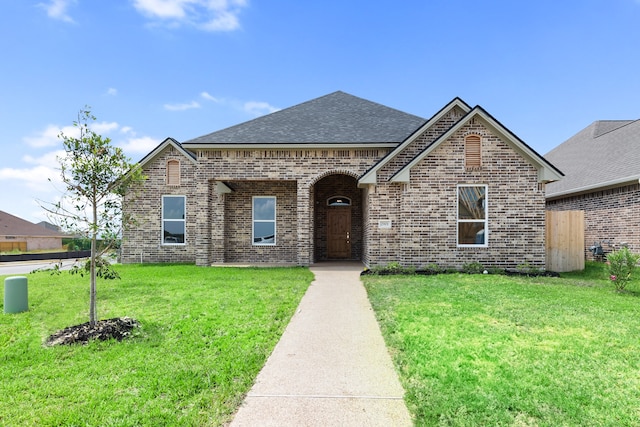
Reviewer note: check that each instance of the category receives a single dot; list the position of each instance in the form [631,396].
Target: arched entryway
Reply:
[337,218]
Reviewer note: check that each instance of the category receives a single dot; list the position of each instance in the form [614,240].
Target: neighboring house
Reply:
[16,233]
[602,167]
[49,226]
[340,177]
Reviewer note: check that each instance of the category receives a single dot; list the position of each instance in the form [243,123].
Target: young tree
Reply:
[96,175]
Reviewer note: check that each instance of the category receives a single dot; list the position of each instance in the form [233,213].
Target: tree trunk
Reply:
[93,315]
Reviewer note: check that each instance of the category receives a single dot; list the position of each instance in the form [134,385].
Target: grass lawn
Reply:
[487,350]
[206,333]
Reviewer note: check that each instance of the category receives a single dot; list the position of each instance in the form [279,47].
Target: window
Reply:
[472,215]
[339,201]
[173,220]
[264,220]
[173,172]
[473,152]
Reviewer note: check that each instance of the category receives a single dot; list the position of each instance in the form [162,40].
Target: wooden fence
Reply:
[12,246]
[565,240]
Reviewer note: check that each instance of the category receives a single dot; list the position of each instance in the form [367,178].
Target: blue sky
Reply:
[151,69]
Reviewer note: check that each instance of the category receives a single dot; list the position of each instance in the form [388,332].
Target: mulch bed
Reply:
[117,328]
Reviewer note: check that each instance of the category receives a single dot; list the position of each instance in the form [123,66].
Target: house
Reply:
[602,167]
[22,235]
[341,177]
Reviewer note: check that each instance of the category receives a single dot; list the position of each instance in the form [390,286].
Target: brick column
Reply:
[201,205]
[304,224]
[216,222]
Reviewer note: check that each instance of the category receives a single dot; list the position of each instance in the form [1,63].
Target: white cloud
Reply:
[207,15]
[140,145]
[224,21]
[104,127]
[258,108]
[163,9]
[49,159]
[36,175]
[182,107]
[36,178]
[49,136]
[57,9]
[112,91]
[208,97]
[255,108]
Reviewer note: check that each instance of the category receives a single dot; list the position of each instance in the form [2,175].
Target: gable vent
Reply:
[173,172]
[473,152]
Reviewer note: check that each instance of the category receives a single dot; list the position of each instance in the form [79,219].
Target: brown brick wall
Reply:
[291,174]
[143,242]
[419,144]
[612,215]
[238,222]
[423,213]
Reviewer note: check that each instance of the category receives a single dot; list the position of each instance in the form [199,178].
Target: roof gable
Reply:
[370,177]
[169,142]
[336,118]
[604,154]
[546,171]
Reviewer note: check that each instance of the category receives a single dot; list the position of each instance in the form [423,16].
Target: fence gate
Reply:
[565,240]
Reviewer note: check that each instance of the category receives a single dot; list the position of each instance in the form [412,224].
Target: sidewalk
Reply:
[331,366]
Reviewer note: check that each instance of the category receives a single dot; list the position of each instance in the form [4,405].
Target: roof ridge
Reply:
[598,135]
[337,117]
[244,123]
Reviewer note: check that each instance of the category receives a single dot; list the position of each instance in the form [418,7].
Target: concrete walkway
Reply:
[331,366]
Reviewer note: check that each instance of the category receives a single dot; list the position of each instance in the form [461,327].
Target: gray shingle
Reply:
[603,152]
[11,225]
[334,118]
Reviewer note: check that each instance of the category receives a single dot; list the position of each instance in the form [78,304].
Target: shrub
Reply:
[393,268]
[621,265]
[473,268]
[434,268]
[527,268]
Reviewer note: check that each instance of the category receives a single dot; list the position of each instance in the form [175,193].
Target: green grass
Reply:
[206,333]
[480,350]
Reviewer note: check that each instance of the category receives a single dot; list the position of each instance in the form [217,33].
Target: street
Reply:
[14,268]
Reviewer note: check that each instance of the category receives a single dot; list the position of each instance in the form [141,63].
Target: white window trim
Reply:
[162,220]
[485,220]
[274,220]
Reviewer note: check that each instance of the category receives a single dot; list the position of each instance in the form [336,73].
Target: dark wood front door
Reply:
[339,233]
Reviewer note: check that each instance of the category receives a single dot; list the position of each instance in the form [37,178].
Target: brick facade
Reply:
[219,225]
[610,215]
[219,185]
[423,212]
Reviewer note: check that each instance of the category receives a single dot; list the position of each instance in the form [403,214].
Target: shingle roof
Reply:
[334,118]
[605,153]
[11,225]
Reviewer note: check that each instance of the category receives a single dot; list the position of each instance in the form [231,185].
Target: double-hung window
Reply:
[173,220]
[264,220]
[472,215]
